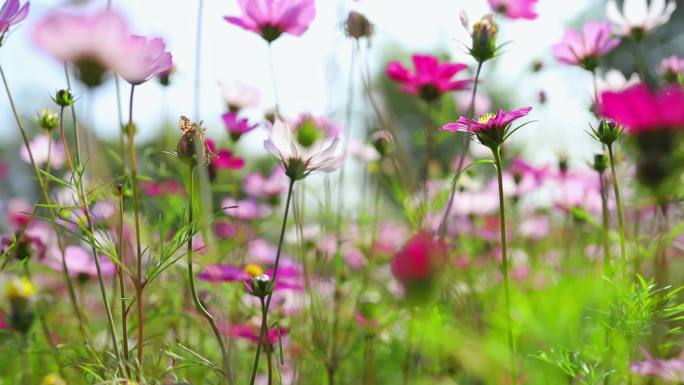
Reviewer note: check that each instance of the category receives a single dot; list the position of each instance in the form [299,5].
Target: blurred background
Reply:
[312,71]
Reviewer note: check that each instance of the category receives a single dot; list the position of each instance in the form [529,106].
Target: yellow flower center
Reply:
[484,119]
[253,270]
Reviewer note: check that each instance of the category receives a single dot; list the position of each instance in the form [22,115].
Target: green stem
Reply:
[191,278]
[461,158]
[51,213]
[618,204]
[122,286]
[262,334]
[273,80]
[606,223]
[504,262]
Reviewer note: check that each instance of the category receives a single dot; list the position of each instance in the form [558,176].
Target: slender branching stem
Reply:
[504,262]
[262,333]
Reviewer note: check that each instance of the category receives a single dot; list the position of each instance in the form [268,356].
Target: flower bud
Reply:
[47,119]
[164,78]
[357,26]
[64,98]
[20,294]
[262,286]
[607,132]
[383,143]
[600,163]
[484,39]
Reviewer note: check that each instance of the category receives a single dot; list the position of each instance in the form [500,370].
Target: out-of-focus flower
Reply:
[362,152]
[239,96]
[272,18]
[301,159]
[482,103]
[44,149]
[358,26]
[586,47]
[11,14]
[19,290]
[522,171]
[20,293]
[419,261]
[144,59]
[515,9]
[79,261]
[310,128]
[671,370]
[640,109]
[164,77]
[224,159]
[289,276]
[615,80]
[639,16]
[430,78]
[53,379]
[535,227]
[225,229]
[237,126]
[251,333]
[383,142]
[23,245]
[18,213]
[167,187]
[270,188]
[93,42]
[491,129]
[246,209]
[672,69]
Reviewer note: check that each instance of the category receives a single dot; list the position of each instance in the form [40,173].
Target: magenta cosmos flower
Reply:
[95,42]
[272,18]
[515,9]
[585,48]
[430,78]
[419,261]
[237,126]
[144,58]
[639,109]
[11,14]
[491,129]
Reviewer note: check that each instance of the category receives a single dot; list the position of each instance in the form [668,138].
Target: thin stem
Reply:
[606,223]
[122,287]
[136,214]
[461,158]
[273,80]
[26,372]
[198,62]
[48,201]
[191,278]
[618,204]
[504,262]
[62,135]
[262,334]
[264,329]
[77,135]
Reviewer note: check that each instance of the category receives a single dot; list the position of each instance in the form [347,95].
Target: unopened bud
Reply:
[484,39]
[64,98]
[262,285]
[48,119]
[600,163]
[358,26]
[382,141]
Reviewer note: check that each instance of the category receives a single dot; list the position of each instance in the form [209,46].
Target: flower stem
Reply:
[122,287]
[191,277]
[461,158]
[262,333]
[618,203]
[51,213]
[273,80]
[504,261]
[606,223]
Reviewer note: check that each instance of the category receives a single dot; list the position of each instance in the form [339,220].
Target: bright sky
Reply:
[312,70]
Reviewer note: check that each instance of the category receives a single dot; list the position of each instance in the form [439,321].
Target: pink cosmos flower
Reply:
[43,148]
[258,186]
[482,103]
[251,333]
[272,18]
[586,47]
[289,275]
[18,213]
[246,209]
[144,58]
[80,262]
[640,109]
[94,42]
[237,126]
[671,68]
[419,260]
[225,159]
[11,14]
[430,78]
[515,9]
[491,129]
[225,229]
[669,370]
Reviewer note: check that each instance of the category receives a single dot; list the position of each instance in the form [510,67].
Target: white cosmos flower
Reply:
[238,95]
[638,16]
[298,160]
[614,80]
